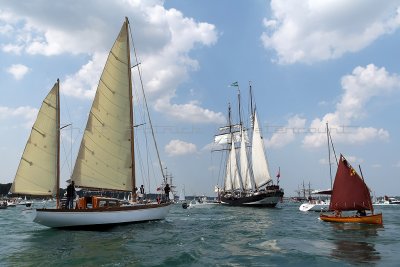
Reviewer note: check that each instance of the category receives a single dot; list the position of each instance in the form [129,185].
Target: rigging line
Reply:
[333,148]
[329,154]
[145,101]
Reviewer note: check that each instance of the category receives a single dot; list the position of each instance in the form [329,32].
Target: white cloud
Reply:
[376,166]
[352,159]
[398,164]
[10,48]
[18,71]
[190,112]
[178,148]
[83,84]
[6,29]
[287,134]
[310,31]
[27,114]
[163,38]
[359,88]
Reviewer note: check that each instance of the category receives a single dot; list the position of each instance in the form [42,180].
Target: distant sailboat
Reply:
[350,193]
[182,196]
[105,161]
[316,203]
[247,180]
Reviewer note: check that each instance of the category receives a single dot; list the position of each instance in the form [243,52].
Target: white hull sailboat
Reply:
[79,218]
[106,158]
[315,205]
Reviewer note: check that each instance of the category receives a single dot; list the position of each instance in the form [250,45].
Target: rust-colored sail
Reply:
[349,190]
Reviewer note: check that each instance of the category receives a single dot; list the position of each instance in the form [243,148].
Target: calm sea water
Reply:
[217,236]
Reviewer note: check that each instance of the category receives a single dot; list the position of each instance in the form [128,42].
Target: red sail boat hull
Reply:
[369,219]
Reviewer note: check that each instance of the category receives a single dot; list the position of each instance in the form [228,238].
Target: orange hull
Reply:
[369,219]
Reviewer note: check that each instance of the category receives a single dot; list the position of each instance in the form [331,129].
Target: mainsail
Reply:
[349,190]
[106,152]
[259,160]
[37,173]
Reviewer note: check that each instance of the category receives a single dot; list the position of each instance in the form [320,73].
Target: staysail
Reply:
[349,190]
[244,165]
[232,178]
[37,173]
[105,155]
[259,160]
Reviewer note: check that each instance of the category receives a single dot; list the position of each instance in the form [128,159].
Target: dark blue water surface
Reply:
[215,236]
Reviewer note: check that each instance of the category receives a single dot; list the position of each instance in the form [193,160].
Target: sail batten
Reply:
[37,170]
[105,156]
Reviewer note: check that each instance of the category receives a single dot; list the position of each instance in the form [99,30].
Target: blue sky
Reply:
[310,62]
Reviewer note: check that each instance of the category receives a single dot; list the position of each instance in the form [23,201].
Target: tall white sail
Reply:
[244,165]
[232,178]
[105,155]
[259,160]
[37,170]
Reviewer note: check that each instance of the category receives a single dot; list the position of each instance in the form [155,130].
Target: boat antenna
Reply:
[145,101]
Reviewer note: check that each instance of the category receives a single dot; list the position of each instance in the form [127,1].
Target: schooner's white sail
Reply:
[244,165]
[232,178]
[259,160]
[37,170]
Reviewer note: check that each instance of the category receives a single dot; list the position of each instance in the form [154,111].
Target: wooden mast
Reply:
[133,175]
[58,143]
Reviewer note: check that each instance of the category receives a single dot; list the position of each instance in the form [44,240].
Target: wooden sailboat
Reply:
[350,193]
[246,182]
[105,161]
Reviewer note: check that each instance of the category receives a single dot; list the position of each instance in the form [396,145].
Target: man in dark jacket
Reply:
[167,189]
[70,195]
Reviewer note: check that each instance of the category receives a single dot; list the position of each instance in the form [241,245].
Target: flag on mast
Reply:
[279,173]
[235,84]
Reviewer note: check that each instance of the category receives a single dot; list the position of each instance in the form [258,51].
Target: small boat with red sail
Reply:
[350,193]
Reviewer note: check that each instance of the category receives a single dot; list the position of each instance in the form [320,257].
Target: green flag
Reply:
[235,84]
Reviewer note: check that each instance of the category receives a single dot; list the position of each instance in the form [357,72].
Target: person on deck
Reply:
[141,193]
[167,189]
[361,213]
[338,213]
[70,195]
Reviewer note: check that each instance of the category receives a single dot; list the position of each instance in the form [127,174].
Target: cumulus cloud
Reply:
[310,31]
[287,133]
[18,71]
[178,148]
[352,159]
[83,84]
[359,88]
[190,112]
[26,113]
[163,39]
